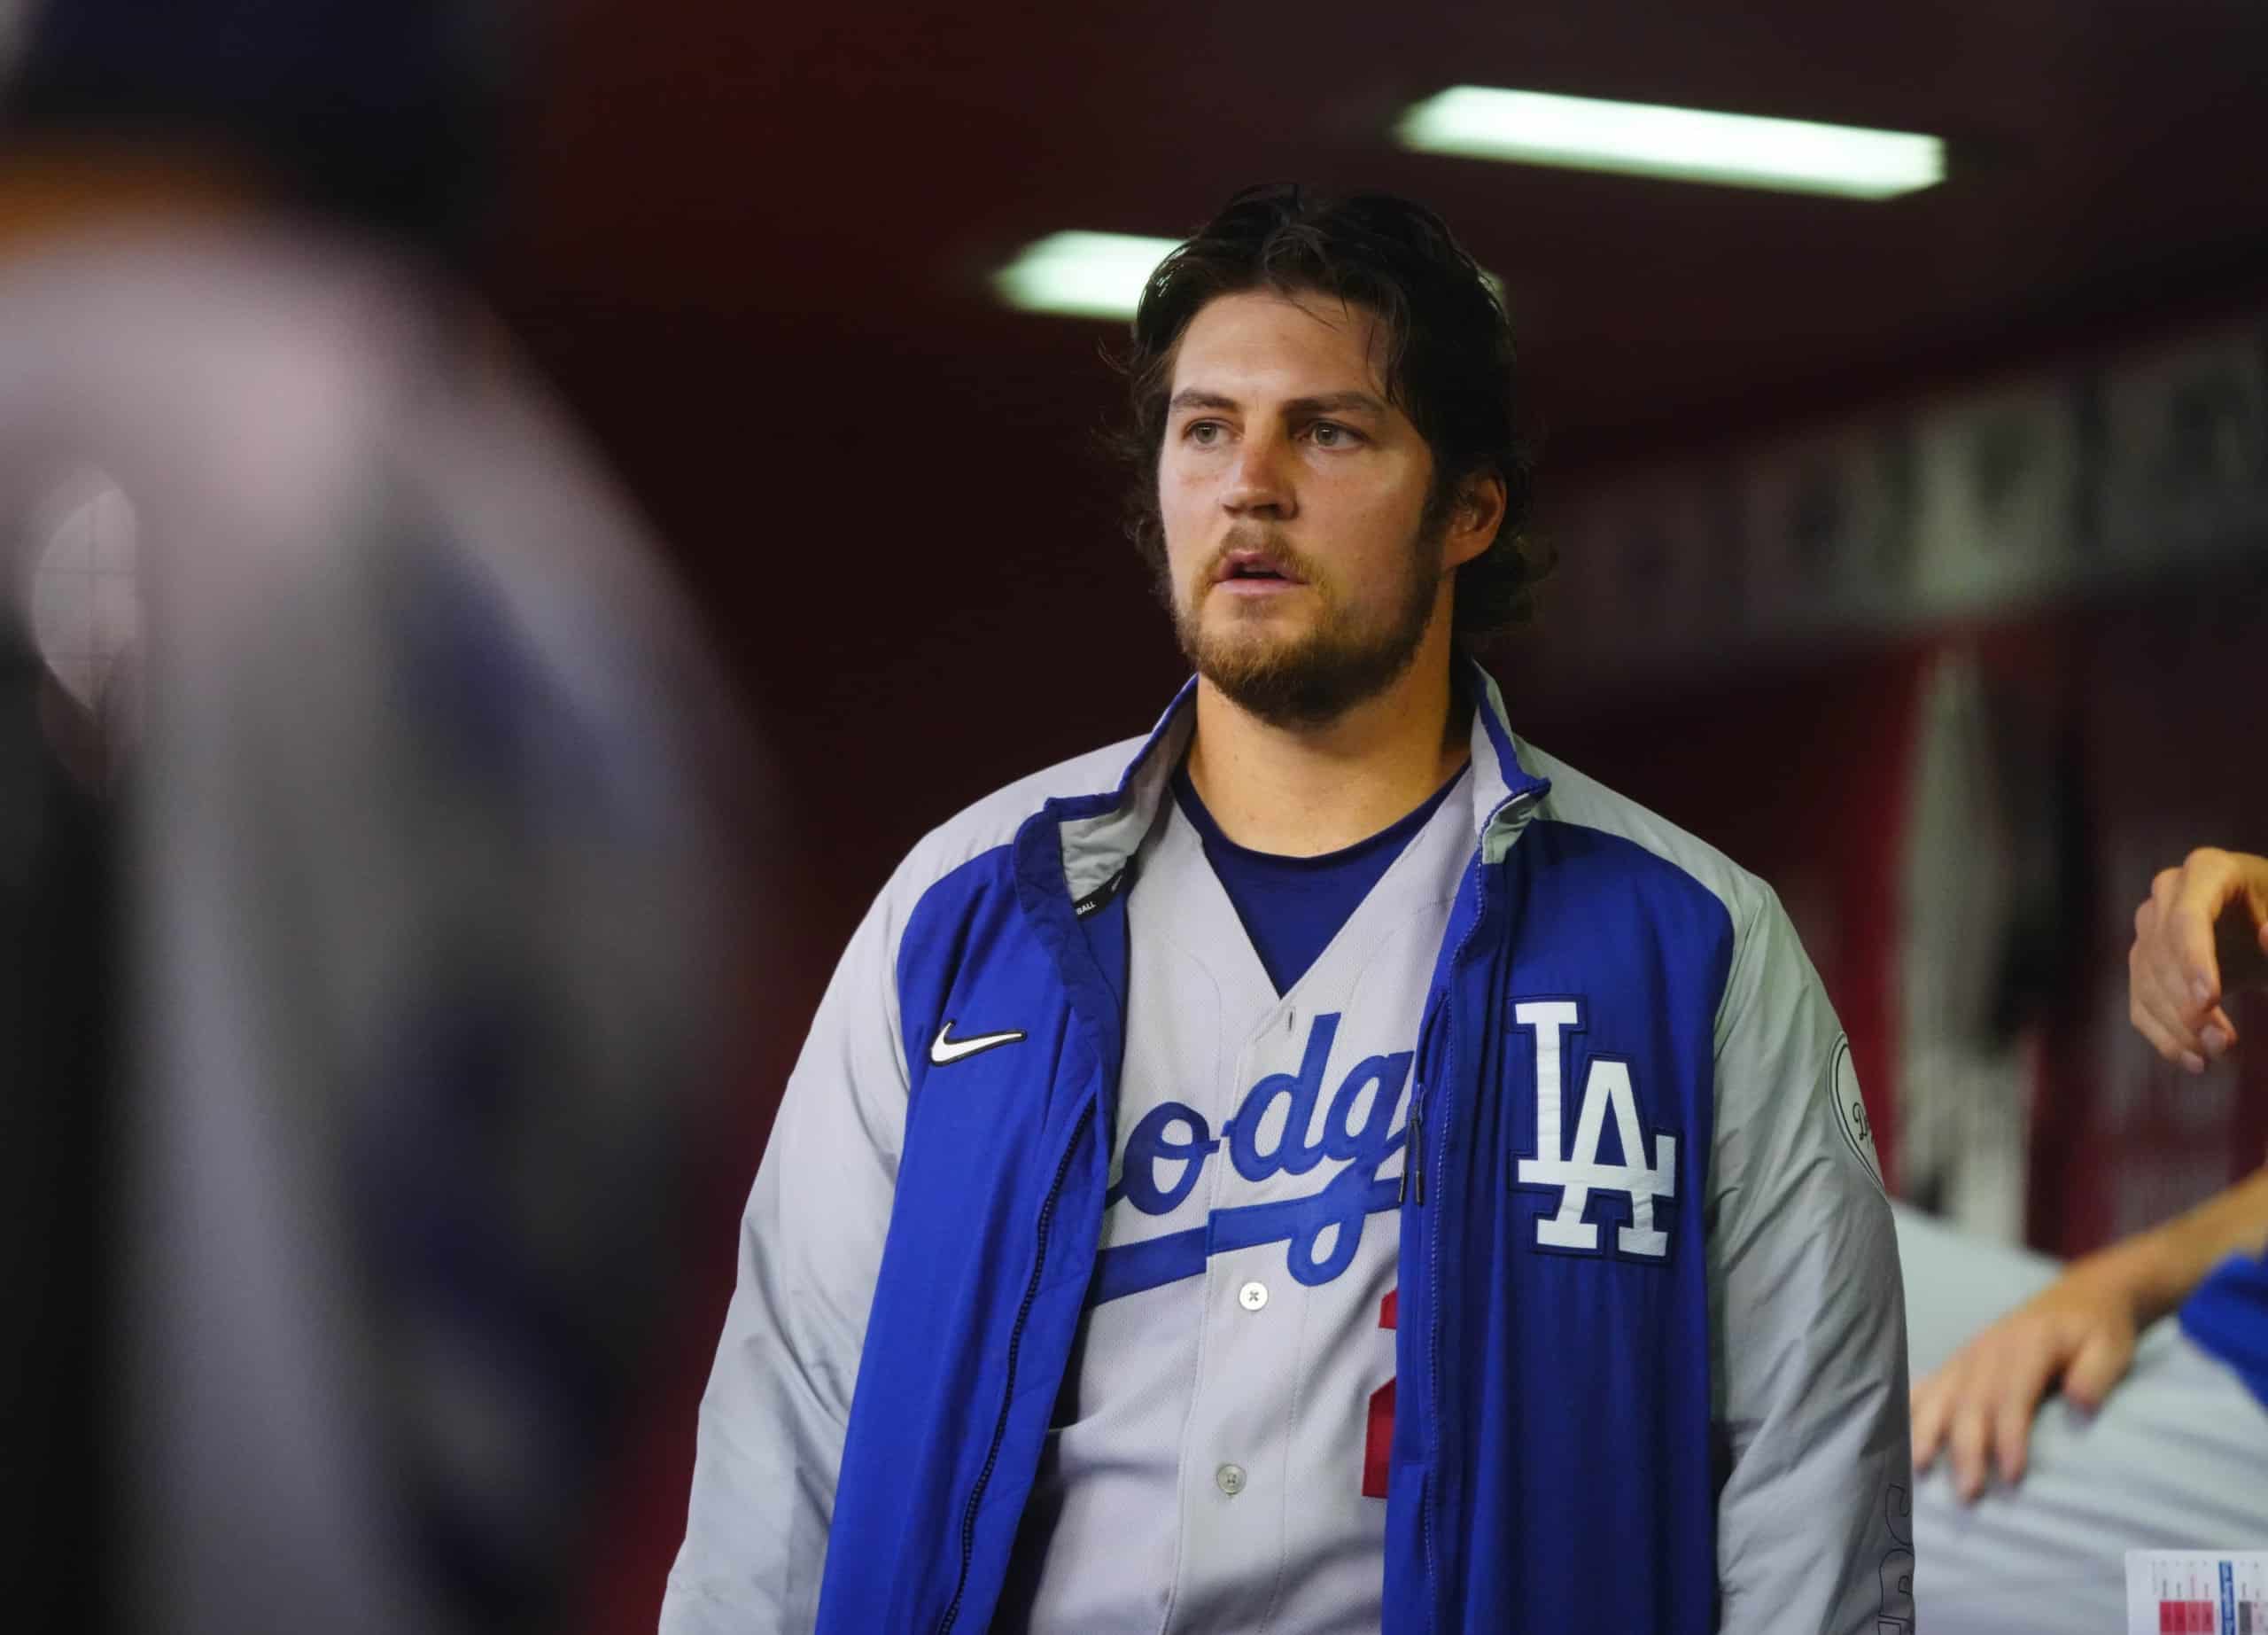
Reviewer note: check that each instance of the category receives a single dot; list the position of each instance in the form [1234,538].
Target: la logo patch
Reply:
[1578,1173]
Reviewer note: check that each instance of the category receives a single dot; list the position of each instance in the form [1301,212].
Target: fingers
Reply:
[1968,1448]
[1977,1410]
[2011,1429]
[2204,884]
[2161,984]
[2154,1006]
[1927,1406]
[2173,1045]
[2174,969]
[2102,1362]
[2014,1404]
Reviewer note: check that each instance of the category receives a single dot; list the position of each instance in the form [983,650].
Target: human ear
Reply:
[1475,518]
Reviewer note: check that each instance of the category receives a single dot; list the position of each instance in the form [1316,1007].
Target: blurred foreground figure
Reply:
[2162,1439]
[417,783]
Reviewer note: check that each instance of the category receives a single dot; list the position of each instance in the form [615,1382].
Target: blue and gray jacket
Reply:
[1689,1422]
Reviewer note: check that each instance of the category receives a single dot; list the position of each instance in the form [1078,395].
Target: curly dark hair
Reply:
[1449,359]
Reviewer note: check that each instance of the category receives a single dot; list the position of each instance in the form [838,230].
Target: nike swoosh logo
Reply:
[947,1049]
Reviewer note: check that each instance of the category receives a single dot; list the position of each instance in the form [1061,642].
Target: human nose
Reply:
[1260,483]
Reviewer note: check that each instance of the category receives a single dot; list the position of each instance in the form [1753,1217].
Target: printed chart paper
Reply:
[2197,1593]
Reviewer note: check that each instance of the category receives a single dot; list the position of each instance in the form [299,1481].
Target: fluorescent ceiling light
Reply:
[1680,144]
[1096,274]
[1085,275]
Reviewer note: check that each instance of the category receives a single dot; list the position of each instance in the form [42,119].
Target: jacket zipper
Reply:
[1433,1334]
[1008,1390]
[1413,1162]
[1434,1225]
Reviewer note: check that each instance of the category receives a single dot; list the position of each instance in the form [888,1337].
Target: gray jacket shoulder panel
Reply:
[993,820]
[1577,798]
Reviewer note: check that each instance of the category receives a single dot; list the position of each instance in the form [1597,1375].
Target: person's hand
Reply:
[2203,935]
[1979,1407]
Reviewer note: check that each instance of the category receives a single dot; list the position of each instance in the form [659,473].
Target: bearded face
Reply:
[1302,671]
[1302,567]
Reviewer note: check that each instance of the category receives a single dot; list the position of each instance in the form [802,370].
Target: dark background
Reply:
[749,245]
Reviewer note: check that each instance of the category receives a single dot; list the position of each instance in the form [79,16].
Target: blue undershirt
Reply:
[2228,1316]
[1293,907]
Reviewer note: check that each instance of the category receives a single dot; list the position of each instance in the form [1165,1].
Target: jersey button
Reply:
[1230,1479]
[1251,1297]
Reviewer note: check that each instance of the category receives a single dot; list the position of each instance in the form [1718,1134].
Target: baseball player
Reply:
[1325,1166]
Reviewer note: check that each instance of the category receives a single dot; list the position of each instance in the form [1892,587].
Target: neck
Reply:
[1300,791]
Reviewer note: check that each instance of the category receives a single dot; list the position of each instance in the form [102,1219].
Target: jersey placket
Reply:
[1273,1461]
[1214,1466]
[1235,1454]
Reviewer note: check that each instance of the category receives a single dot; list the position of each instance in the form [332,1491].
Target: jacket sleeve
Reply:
[1807,1319]
[779,1396]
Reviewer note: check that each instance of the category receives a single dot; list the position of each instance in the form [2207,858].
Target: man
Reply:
[2183,1440]
[1325,1165]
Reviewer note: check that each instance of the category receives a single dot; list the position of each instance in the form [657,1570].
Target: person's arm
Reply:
[2201,935]
[2079,1331]
[1808,1312]
[779,1397]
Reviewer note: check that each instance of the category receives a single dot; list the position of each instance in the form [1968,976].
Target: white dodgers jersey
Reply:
[1218,1452]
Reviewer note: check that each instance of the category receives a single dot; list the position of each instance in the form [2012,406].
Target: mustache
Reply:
[1270,545]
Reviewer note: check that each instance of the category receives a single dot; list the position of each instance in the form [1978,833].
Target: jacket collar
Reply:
[1099,832]
[1505,794]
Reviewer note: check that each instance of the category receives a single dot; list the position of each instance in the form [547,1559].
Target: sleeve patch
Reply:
[1851,1110]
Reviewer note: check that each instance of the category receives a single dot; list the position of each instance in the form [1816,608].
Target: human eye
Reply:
[1331,434]
[1203,433]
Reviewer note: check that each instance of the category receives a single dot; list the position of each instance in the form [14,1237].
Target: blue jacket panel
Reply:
[1564,1392]
[992,1245]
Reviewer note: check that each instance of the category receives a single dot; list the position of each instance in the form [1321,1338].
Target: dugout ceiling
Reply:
[753,239]
[826,177]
